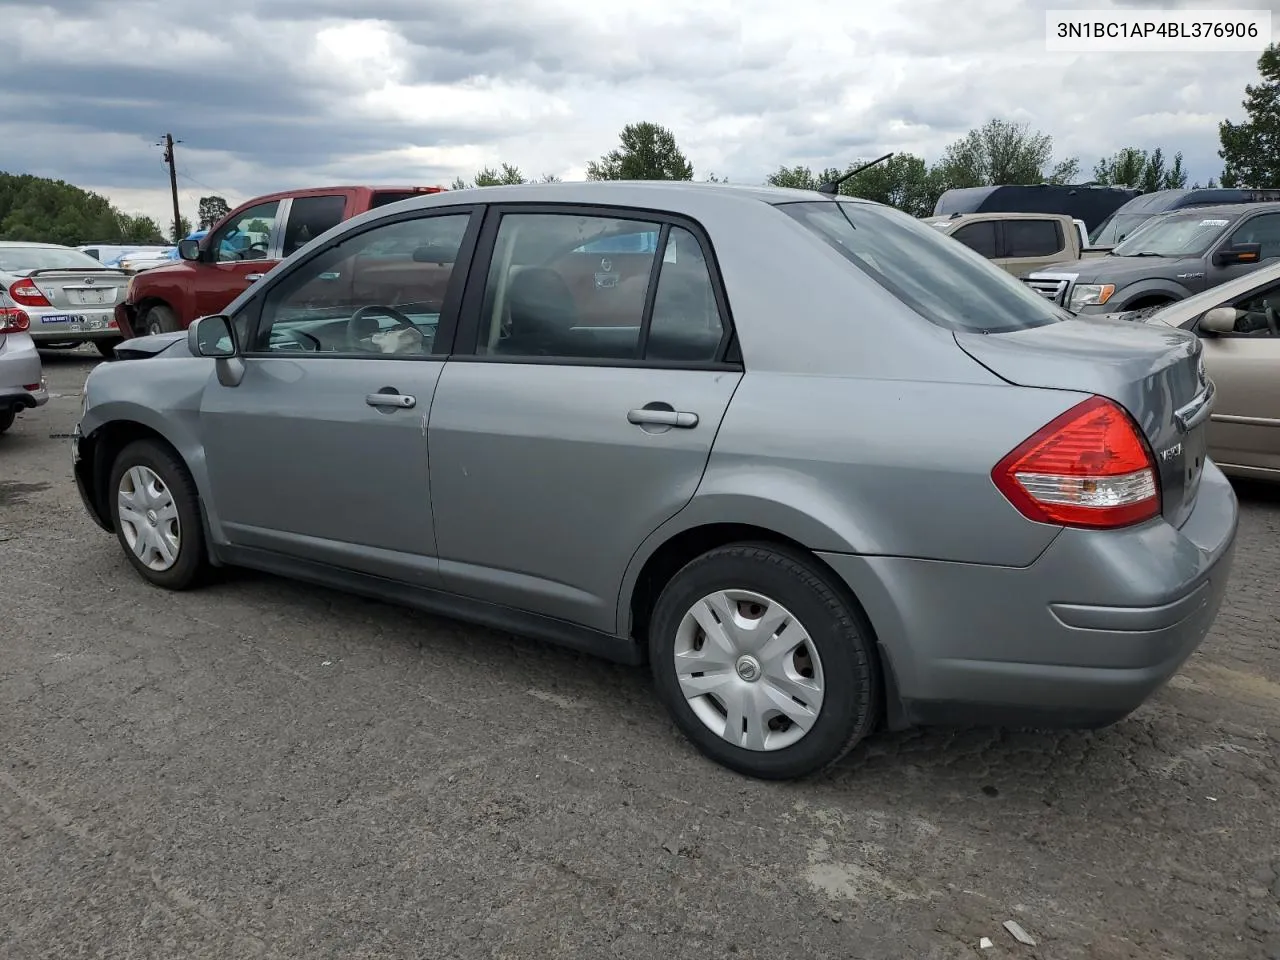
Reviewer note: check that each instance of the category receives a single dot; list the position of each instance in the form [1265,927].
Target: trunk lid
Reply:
[79,288]
[1155,373]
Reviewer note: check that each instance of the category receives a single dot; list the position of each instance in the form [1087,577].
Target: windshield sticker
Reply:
[1214,223]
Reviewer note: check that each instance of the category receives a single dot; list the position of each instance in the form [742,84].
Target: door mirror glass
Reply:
[212,336]
[189,249]
[1220,320]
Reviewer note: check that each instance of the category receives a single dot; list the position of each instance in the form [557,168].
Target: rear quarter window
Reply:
[942,280]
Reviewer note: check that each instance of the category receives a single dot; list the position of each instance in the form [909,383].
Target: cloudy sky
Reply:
[275,94]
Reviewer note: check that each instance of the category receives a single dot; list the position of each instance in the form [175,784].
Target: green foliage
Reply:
[1133,167]
[646,152]
[53,211]
[184,228]
[903,181]
[1001,152]
[1251,150]
[211,210]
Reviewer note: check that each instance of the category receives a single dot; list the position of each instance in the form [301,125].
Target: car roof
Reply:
[33,243]
[1224,210]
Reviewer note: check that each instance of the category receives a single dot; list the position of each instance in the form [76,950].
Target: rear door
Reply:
[566,429]
[310,216]
[1027,245]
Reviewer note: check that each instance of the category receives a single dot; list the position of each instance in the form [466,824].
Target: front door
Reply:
[1263,229]
[320,451]
[570,436]
[240,252]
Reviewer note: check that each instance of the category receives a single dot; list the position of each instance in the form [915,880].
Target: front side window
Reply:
[1032,238]
[1263,229]
[379,292]
[1175,235]
[926,271]
[248,235]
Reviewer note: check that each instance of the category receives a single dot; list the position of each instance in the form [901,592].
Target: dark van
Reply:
[1141,209]
[1081,201]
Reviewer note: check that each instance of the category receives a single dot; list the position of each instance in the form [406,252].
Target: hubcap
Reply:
[149,518]
[749,670]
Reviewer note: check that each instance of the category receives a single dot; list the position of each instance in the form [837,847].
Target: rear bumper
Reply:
[20,369]
[11,399]
[1079,638]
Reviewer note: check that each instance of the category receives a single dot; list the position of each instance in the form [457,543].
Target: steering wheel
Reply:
[354,333]
[1273,321]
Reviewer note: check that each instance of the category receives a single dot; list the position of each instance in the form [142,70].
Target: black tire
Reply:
[6,419]
[836,628]
[158,319]
[191,562]
[107,347]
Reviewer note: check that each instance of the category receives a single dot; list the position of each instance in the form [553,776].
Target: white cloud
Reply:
[301,92]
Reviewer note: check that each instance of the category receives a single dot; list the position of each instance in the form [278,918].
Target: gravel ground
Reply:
[264,769]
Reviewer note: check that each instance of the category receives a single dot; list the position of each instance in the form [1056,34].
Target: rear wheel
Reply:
[6,419]
[763,663]
[155,511]
[107,347]
[159,319]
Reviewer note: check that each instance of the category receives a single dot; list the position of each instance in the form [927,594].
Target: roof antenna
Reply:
[832,187]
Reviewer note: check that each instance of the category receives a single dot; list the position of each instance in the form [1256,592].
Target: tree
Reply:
[53,211]
[489,177]
[1002,152]
[142,230]
[903,181]
[1251,150]
[646,152]
[1133,167]
[549,178]
[211,210]
[184,228]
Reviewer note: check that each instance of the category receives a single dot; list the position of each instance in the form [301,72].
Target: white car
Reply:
[68,297]
[146,259]
[22,383]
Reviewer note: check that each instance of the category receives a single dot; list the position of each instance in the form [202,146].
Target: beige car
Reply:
[1016,242]
[1239,324]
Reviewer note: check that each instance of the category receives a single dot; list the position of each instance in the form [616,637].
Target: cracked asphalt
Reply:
[266,769]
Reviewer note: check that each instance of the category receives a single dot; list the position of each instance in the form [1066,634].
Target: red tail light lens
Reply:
[13,321]
[1089,467]
[28,294]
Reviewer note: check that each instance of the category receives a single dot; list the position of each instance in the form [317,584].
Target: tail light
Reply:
[28,294]
[13,321]
[1089,467]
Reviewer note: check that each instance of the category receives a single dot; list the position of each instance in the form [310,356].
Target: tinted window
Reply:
[936,277]
[550,293]
[1263,229]
[978,237]
[380,292]
[394,196]
[686,323]
[1032,238]
[1175,235]
[247,236]
[309,217]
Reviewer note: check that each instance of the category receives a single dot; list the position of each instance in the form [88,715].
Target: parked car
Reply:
[1089,202]
[1016,242]
[68,296]
[1141,209]
[1169,258]
[22,382]
[109,254]
[1239,326]
[146,259]
[820,466]
[239,250]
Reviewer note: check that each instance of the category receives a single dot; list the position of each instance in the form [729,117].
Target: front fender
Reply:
[1152,287]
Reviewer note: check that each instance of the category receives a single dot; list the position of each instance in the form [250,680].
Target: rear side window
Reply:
[309,217]
[391,196]
[930,273]
[1032,238]
[978,237]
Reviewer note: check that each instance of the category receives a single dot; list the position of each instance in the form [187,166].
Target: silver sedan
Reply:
[69,296]
[820,467]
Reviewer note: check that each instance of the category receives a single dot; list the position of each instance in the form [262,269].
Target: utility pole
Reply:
[168,143]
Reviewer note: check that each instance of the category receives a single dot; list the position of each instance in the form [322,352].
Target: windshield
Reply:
[26,259]
[932,273]
[1117,227]
[1175,235]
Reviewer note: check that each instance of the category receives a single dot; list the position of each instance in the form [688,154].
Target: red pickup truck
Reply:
[238,250]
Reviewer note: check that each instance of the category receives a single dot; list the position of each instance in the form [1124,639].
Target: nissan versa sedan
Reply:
[822,468]
[1239,326]
[69,296]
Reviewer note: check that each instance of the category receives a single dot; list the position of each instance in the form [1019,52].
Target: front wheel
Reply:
[155,511]
[107,347]
[159,319]
[763,663]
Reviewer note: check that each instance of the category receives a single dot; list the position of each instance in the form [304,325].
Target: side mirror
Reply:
[1220,320]
[189,249]
[1238,253]
[212,336]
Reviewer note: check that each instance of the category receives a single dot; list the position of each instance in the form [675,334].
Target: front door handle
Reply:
[662,416]
[401,401]
[251,277]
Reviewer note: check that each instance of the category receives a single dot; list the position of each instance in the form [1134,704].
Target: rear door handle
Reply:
[401,401]
[663,418]
[251,277]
